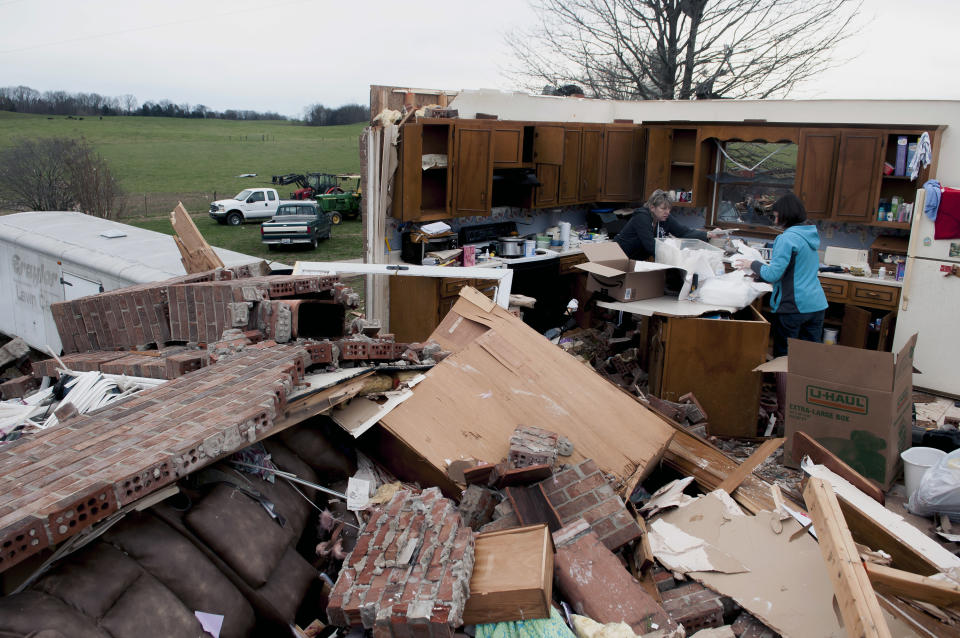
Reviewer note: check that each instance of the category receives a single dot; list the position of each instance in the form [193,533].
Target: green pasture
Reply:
[169,156]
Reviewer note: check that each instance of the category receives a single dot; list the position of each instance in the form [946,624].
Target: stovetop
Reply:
[486,232]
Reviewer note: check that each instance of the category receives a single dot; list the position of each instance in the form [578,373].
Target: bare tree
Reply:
[680,49]
[57,174]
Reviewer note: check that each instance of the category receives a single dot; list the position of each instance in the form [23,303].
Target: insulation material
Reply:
[503,374]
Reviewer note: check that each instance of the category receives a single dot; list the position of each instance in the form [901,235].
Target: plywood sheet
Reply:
[502,374]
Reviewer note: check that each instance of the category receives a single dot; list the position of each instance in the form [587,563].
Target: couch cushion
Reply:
[177,563]
[92,579]
[316,442]
[287,586]
[240,531]
[35,614]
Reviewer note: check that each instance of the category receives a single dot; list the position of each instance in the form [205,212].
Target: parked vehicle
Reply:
[250,204]
[296,222]
[311,184]
[341,205]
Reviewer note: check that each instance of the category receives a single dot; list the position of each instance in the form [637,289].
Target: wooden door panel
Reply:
[548,144]
[858,173]
[618,163]
[507,146]
[659,151]
[591,143]
[570,168]
[411,150]
[473,170]
[546,193]
[816,167]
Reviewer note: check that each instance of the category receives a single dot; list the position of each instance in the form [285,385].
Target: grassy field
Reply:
[345,241]
[160,160]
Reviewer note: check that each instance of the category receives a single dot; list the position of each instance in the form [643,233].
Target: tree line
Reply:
[23,99]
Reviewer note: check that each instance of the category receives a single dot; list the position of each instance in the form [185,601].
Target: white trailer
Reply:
[46,257]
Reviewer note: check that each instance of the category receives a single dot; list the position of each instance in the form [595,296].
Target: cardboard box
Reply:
[856,403]
[610,272]
[512,576]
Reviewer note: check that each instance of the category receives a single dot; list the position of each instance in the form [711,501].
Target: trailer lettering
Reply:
[37,275]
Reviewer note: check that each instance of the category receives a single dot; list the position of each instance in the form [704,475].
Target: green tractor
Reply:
[341,206]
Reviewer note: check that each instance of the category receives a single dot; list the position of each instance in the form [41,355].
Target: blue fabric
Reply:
[793,268]
[932,203]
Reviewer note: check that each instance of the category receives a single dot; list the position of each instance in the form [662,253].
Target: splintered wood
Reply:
[197,255]
[859,608]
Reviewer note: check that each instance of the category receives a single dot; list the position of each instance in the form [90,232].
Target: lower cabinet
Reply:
[418,304]
[864,313]
[714,359]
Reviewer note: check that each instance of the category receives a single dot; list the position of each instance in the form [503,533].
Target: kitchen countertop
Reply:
[543,254]
[872,279]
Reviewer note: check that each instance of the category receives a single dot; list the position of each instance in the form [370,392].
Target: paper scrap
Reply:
[211,623]
[681,552]
[358,493]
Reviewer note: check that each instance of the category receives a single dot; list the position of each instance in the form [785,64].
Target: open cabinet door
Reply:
[856,323]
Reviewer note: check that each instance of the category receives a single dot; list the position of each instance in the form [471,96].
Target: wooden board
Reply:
[196,253]
[503,374]
[806,445]
[859,608]
[531,506]
[735,478]
[907,585]
[512,576]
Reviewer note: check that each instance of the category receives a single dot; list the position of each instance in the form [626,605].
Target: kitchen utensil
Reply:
[510,246]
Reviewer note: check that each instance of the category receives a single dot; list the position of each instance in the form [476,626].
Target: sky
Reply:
[284,55]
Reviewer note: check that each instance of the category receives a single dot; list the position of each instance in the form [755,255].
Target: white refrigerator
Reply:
[930,306]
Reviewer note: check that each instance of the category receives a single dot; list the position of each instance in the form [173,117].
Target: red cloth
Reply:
[947,225]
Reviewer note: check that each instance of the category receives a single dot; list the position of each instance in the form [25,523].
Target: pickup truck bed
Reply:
[296,228]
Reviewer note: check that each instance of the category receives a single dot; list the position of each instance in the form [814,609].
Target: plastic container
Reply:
[916,462]
[529,248]
[830,336]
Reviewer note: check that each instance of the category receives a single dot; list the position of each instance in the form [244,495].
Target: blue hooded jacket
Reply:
[793,269]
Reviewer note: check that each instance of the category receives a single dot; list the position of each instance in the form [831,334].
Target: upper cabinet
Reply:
[676,161]
[570,167]
[858,175]
[424,176]
[591,141]
[624,146]
[816,167]
[472,168]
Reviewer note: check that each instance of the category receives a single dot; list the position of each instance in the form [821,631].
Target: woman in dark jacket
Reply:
[650,222]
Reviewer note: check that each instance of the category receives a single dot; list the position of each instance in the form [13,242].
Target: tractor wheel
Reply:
[234,219]
[313,244]
[336,218]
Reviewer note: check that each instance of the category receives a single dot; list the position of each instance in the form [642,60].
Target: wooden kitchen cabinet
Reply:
[548,144]
[675,161]
[714,359]
[418,304]
[859,166]
[424,195]
[569,186]
[508,143]
[591,143]
[472,168]
[622,168]
[855,308]
[816,167]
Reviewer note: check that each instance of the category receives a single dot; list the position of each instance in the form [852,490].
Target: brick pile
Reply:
[694,606]
[124,318]
[18,387]
[63,479]
[409,573]
[582,491]
[533,446]
[166,363]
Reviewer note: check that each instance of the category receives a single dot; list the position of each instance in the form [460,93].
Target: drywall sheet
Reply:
[503,374]
[787,587]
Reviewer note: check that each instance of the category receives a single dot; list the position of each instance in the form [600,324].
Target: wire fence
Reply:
[130,205]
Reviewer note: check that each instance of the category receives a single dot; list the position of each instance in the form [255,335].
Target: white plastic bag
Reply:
[939,491]
[732,289]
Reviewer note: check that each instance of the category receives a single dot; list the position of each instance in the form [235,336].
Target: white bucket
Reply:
[830,336]
[916,462]
[529,248]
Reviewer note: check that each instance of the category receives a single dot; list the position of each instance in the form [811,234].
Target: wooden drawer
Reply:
[835,289]
[566,265]
[874,295]
[451,287]
[444,306]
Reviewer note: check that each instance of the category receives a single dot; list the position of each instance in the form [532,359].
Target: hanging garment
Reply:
[947,225]
[932,202]
[924,155]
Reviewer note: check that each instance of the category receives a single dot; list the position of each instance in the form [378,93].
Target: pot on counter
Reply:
[510,246]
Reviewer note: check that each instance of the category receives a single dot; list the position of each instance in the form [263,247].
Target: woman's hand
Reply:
[716,232]
[742,264]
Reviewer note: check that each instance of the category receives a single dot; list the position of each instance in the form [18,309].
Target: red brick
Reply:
[585,485]
[574,509]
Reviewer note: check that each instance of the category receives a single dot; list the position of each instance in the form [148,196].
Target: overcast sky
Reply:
[282,55]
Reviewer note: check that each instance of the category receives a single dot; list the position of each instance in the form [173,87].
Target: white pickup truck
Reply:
[251,204]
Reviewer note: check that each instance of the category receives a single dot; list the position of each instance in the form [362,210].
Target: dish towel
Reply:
[923,155]
[947,225]
[932,202]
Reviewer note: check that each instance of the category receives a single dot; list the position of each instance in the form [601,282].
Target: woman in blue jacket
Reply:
[798,301]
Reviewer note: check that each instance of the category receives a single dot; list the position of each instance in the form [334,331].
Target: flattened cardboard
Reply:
[612,273]
[503,374]
[854,402]
[512,576]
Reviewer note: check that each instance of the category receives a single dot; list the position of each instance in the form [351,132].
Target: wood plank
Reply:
[524,475]
[197,255]
[907,585]
[806,445]
[478,474]
[531,506]
[761,454]
[859,608]
[920,622]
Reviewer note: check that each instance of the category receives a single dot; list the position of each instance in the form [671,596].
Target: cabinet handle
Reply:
[872,294]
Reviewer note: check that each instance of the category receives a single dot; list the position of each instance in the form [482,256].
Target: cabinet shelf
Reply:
[898,178]
[901,225]
[682,163]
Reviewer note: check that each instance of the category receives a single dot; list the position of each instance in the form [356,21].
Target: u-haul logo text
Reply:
[845,401]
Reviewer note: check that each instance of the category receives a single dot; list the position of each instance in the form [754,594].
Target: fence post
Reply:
[144,204]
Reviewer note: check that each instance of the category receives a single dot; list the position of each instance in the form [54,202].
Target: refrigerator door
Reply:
[932,309]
